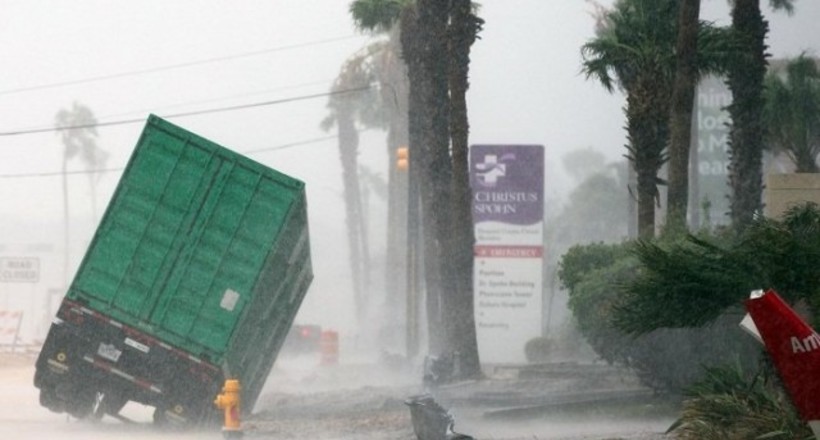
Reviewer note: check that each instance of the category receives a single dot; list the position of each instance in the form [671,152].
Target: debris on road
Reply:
[431,421]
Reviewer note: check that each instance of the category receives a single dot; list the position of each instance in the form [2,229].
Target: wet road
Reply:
[22,417]
[351,402]
[365,402]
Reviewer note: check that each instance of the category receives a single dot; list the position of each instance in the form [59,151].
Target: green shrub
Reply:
[670,310]
[670,360]
[539,349]
[665,359]
[729,404]
[692,281]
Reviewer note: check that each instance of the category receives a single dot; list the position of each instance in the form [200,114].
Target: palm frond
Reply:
[377,15]
[791,112]
[785,5]
[732,404]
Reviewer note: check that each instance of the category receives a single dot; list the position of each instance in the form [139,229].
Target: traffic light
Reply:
[402,160]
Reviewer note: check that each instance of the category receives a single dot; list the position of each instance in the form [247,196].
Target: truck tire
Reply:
[160,420]
[49,399]
[166,417]
[109,403]
[79,401]
[80,409]
[180,417]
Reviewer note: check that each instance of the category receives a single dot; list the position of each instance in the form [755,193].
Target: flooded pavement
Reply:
[366,400]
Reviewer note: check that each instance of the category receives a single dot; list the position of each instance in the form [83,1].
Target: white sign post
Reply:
[508,213]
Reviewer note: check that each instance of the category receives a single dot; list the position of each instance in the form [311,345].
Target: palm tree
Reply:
[77,130]
[745,80]
[379,15]
[398,17]
[433,167]
[356,73]
[792,113]
[680,121]
[429,31]
[391,79]
[462,33]
[635,49]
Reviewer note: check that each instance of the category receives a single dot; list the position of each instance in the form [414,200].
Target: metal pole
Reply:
[413,264]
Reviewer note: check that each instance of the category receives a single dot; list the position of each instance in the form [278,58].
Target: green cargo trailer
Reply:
[194,276]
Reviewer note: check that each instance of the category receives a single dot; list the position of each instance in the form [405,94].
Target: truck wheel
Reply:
[176,417]
[164,420]
[80,408]
[159,417]
[80,404]
[49,399]
[109,403]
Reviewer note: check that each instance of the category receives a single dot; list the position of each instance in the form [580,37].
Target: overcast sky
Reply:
[114,57]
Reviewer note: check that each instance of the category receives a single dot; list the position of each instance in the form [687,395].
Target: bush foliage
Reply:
[731,404]
[666,359]
[691,282]
[670,309]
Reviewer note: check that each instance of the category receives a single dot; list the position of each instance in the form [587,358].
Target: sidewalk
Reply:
[366,401]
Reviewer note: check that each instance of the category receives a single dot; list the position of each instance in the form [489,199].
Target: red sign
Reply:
[794,348]
[484,251]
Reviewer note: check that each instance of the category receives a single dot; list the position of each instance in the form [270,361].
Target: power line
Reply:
[292,144]
[110,170]
[221,98]
[184,114]
[59,173]
[173,66]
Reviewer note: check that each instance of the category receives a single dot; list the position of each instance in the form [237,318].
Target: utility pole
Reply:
[413,261]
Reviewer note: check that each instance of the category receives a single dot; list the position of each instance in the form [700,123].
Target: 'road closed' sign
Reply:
[19,269]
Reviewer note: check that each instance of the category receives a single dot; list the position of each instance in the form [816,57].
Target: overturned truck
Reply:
[194,276]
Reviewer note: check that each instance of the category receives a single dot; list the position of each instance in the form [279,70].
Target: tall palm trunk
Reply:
[680,122]
[439,203]
[394,95]
[647,130]
[436,168]
[348,150]
[462,338]
[77,132]
[745,80]
[421,240]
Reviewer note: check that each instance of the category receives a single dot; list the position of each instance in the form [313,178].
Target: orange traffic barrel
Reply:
[329,347]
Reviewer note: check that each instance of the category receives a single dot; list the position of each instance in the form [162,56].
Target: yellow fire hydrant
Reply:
[229,401]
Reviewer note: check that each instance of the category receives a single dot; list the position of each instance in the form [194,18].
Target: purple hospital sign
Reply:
[507,183]
[508,215]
